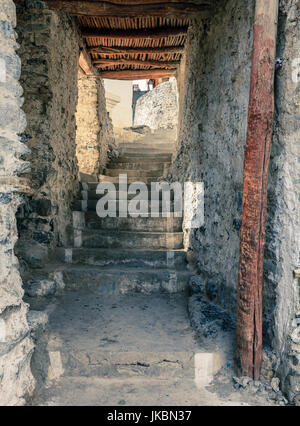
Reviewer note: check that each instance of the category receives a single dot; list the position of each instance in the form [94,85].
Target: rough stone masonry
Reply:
[49,51]
[16,380]
[95,140]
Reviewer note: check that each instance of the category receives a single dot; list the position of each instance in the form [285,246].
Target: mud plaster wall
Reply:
[281,295]
[49,52]
[214,91]
[95,140]
[16,380]
[212,135]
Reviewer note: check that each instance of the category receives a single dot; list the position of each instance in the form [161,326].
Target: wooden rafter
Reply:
[110,9]
[135,62]
[141,34]
[137,74]
[136,50]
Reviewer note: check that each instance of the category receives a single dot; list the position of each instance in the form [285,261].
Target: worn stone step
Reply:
[164,365]
[144,151]
[159,259]
[158,224]
[137,391]
[136,158]
[90,205]
[131,179]
[92,195]
[146,165]
[95,334]
[149,141]
[119,280]
[134,173]
[154,145]
[92,186]
[125,239]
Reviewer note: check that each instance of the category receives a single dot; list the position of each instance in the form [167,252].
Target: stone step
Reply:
[149,141]
[136,391]
[149,145]
[115,179]
[90,205]
[119,280]
[92,195]
[159,259]
[99,334]
[92,238]
[134,173]
[92,186]
[144,151]
[165,365]
[146,165]
[155,224]
[144,158]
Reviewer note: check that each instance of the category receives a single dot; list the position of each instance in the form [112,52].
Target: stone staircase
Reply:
[123,254]
[118,330]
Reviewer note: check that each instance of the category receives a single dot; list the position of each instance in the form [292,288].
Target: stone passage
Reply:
[124,254]
[118,329]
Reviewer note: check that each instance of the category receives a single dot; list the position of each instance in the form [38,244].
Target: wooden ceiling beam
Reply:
[142,34]
[104,50]
[135,62]
[134,2]
[137,74]
[101,8]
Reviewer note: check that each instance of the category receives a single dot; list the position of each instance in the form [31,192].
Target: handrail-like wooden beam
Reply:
[148,34]
[105,9]
[135,62]
[136,50]
[137,74]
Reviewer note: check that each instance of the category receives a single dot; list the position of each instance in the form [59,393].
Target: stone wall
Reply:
[214,91]
[49,52]
[158,109]
[95,141]
[281,295]
[213,83]
[16,380]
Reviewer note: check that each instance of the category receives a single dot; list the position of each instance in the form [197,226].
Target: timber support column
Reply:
[256,163]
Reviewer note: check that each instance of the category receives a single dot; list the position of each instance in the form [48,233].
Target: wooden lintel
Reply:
[157,64]
[105,9]
[148,34]
[85,63]
[104,50]
[137,74]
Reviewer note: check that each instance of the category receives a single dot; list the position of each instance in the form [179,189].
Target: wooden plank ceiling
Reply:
[131,40]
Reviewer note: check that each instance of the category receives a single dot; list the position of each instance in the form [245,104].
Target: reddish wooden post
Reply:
[257,153]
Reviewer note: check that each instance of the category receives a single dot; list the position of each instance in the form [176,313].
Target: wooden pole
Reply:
[257,153]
